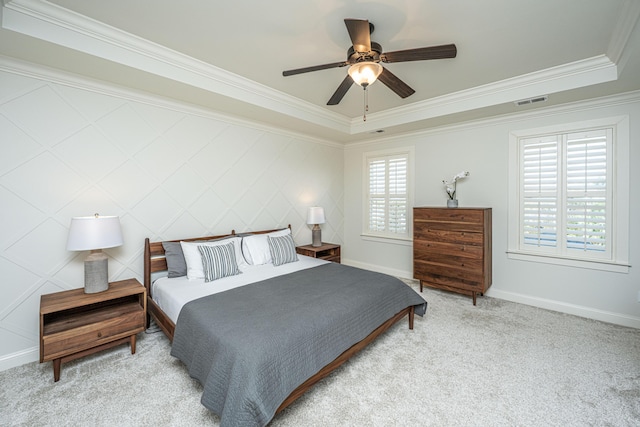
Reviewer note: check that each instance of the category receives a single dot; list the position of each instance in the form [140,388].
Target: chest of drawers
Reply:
[452,249]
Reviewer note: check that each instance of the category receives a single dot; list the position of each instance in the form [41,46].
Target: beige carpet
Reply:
[496,364]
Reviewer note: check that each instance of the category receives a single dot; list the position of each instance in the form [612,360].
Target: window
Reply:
[570,171]
[565,206]
[387,201]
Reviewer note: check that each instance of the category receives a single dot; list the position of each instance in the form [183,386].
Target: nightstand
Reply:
[327,251]
[74,324]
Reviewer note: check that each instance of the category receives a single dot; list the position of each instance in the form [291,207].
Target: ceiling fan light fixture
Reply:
[365,73]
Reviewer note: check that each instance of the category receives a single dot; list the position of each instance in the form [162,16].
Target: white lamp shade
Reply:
[94,232]
[316,215]
[365,73]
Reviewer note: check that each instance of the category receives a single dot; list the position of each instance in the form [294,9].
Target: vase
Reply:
[452,203]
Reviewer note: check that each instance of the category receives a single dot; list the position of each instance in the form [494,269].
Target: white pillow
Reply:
[193,258]
[255,247]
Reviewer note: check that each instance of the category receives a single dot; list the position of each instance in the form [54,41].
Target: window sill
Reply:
[602,265]
[404,241]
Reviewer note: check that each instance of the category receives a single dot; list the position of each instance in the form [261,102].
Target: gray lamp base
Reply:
[316,236]
[96,273]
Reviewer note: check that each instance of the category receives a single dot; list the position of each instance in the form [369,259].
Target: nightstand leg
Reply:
[133,344]
[56,369]
[474,298]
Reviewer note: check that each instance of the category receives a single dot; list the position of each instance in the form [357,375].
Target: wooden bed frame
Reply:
[155,261]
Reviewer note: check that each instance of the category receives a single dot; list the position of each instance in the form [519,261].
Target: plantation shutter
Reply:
[377,194]
[388,195]
[540,192]
[398,195]
[586,180]
[565,193]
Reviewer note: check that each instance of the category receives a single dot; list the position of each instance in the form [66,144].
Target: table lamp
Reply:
[316,217]
[94,233]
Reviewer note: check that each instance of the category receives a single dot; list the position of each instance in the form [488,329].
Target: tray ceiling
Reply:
[229,57]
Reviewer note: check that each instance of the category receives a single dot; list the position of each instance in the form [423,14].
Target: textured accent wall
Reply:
[73,148]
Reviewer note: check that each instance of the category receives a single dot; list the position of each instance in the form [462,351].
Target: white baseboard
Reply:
[588,312]
[18,358]
[577,310]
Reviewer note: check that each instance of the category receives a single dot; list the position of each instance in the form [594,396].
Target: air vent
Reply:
[531,100]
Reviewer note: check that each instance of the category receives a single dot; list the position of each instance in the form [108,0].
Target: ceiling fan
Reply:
[364,57]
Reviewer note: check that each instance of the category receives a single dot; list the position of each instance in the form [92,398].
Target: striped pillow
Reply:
[282,249]
[218,261]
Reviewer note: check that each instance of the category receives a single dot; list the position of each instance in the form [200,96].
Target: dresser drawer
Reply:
[449,215]
[452,284]
[427,249]
[423,269]
[442,232]
[74,339]
[447,264]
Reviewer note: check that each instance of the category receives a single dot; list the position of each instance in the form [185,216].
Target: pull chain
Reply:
[366,104]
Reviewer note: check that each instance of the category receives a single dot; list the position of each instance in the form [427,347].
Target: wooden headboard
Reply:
[155,261]
[154,257]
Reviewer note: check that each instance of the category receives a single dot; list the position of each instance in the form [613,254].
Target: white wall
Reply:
[70,147]
[482,148]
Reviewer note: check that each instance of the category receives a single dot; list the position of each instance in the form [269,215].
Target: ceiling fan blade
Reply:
[395,84]
[421,54]
[314,68]
[341,91]
[360,34]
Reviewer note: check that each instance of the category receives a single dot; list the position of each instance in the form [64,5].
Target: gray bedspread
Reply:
[250,347]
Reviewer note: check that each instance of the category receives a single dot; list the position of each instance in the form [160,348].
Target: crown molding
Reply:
[577,74]
[571,107]
[622,33]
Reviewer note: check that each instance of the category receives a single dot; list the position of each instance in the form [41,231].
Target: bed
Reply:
[259,337]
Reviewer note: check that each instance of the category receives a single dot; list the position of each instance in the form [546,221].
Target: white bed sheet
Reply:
[172,294]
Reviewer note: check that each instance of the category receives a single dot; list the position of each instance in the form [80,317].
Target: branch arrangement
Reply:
[450,186]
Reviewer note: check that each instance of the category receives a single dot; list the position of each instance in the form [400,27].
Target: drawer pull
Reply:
[99,334]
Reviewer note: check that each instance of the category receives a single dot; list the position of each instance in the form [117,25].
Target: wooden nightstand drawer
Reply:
[123,322]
